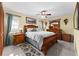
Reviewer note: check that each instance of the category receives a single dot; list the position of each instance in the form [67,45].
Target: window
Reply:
[15,24]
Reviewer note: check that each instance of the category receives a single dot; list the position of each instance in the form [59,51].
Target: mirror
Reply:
[76,17]
[55,24]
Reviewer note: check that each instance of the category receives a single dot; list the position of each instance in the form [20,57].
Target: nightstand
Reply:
[66,37]
[18,38]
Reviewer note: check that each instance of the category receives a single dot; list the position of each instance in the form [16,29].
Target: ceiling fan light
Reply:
[43,17]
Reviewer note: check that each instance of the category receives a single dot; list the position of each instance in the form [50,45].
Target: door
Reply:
[1,28]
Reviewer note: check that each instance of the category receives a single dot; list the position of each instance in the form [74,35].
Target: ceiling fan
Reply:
[44,14]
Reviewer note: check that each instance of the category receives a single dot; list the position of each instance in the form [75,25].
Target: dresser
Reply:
[66,37]
[18,38]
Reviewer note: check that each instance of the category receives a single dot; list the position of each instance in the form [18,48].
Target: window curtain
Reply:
[9,24]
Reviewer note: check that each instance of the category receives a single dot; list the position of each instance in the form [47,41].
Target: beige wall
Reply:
[67,28]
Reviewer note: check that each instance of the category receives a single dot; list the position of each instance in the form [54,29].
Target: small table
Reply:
[18,38]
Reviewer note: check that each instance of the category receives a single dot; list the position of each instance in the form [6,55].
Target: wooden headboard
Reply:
[29,26]
[55,28]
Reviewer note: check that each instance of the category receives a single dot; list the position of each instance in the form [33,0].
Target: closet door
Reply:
[1,28]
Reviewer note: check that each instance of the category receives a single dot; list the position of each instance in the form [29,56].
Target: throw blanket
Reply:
[38,36]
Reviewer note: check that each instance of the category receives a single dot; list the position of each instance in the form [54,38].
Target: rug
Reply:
[29,50]
[62,48]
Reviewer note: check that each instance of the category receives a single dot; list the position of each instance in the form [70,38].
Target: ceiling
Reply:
[34,8]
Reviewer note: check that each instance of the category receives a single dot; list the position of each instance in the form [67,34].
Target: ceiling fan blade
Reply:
[48,14]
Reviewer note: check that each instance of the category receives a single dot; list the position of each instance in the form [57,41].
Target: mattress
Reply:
[36,38]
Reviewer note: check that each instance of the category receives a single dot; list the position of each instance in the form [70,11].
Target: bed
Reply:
[42,40]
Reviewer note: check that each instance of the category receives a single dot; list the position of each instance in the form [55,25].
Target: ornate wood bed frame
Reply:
[48,41]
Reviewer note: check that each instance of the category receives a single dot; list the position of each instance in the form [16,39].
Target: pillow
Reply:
[31,30]
[34,29]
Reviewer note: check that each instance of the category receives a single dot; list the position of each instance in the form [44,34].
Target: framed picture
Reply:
[30,20]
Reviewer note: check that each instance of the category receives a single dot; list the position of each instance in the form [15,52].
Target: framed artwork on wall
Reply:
[30,20]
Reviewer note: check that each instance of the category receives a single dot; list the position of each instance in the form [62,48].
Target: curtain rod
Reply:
[13,14]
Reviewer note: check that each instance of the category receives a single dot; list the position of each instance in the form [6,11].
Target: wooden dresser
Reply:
[66,37]
[18,38]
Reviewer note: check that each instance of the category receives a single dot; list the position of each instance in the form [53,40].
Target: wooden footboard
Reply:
[48,42]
